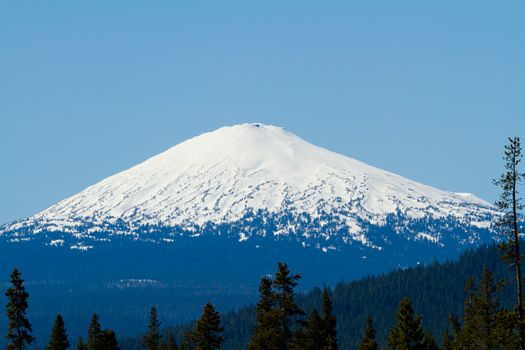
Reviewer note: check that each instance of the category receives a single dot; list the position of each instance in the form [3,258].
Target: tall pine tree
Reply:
[19,328]
[407,334]
[94,341]
[511,203]
[486,309]
[277,312]
[314,337]
[329,323]
[170,343]
[465,335]
[108,340]
[58,339]
[369,337]
[208,330]
[151,340]
[266,325]
[287,309]
[486,324]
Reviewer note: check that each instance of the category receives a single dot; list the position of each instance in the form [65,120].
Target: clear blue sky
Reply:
[429,90]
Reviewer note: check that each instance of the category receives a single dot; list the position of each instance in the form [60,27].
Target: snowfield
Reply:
[235,172]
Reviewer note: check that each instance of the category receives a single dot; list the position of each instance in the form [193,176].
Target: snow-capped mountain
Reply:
[256,180]
[207,218]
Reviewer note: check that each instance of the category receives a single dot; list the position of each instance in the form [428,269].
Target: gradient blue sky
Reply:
[429,90]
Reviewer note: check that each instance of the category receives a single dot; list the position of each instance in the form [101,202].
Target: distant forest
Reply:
[437,291]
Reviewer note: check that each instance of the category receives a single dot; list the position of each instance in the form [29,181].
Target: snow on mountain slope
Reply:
[220,176]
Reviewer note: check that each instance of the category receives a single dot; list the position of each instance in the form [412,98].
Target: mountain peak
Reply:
[236,172]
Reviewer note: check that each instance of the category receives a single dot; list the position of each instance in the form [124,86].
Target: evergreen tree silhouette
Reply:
[407,334]
[208,331]
[369,338]
[329,323]
[58,339]
[511,203]
[152,339]
[19,328]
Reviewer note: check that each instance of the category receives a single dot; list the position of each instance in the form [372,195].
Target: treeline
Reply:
[436,292]
[207,333]
[282,322]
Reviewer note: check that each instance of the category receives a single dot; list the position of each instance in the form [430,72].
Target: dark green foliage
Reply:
[58,339]
[486,310]
[188,341]
[170,343]
[208,331]
[99,339]
[266,318]
[109,340]
[429,343]
[510,203]
[277,312]
[19,328]
[485,324]
[329,323]
[448,341]
[287,308]
[314,337]
[436,291]
[453,340]
[369,338]
[151,340]
[464,336]
[408,333]
[80,344]
[94,334]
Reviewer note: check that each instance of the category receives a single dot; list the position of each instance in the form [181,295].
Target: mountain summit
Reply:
[260,180]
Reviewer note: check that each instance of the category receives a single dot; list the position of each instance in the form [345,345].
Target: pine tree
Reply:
[429,343]
[80,344]
[486,309]
[266,318]
[451,340]
[407,334]
[287,308]
[108,340]
[19,328]
[493,326]
[188,341]
[465,336]
[369,338]
[314,337]
[58,340]
[152,339]
[170,343]
[329,323]
[94,341]
[208,331]
[486,325]
[99,339]
[511,203]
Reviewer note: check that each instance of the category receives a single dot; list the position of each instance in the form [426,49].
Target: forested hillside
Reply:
[437,291]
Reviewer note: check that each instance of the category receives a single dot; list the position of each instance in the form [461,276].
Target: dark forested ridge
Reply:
[436,291]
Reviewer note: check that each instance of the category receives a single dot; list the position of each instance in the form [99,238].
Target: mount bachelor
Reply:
[254,182]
